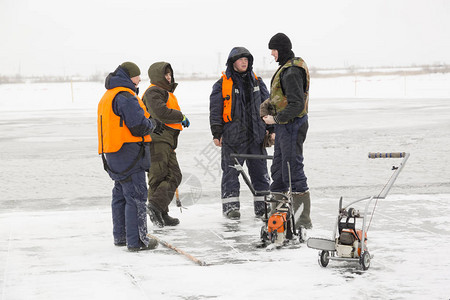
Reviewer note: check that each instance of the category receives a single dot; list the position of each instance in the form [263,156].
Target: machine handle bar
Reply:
[251,156]
[387,155]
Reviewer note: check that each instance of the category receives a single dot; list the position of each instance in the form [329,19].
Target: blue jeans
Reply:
[289,139]
[129,212]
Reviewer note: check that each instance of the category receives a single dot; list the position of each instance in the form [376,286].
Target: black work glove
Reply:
[217,131]
[158,126]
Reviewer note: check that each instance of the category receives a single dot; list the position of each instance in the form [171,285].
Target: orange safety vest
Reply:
[112,131]
[227,94]
[171,103]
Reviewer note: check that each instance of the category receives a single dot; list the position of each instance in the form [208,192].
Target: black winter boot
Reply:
[152,244]
[155,215]
[233,214]
[169,221]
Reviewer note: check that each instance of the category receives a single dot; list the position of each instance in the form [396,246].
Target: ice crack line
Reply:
[412,225]
[135,281]
[229,245]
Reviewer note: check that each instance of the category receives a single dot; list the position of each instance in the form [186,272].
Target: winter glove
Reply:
[216,131]
[185,122]
[158,126]
[270,129]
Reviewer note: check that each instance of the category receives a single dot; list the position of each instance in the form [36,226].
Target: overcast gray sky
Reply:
[87,36]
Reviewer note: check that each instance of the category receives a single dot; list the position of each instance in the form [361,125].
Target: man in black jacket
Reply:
[237,128]
[287,108]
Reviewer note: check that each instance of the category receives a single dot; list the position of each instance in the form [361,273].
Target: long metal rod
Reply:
[343,258]
[291,200]
[251,156]
[364,229]
[166,244]
[387,188]
[247,181]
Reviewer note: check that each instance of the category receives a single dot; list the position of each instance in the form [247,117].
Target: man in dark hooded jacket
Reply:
[165,175]
[237,128]
[287,108]
[123,134]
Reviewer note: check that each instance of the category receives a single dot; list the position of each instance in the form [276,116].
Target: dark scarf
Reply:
[284,56]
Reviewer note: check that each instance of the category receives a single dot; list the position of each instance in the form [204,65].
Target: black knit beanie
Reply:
[280,41]
[131,68]
[283,45]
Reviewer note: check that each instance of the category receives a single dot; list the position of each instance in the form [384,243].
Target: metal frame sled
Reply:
[279,223]
[349,243]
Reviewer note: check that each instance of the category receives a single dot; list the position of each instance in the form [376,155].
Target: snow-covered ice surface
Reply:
[55,218]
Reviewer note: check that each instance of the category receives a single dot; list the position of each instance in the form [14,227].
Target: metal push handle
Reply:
[251,156]
[387,155]
[240,169]
[397,170]
[247,180]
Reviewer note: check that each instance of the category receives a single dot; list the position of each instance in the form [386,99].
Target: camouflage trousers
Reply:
[164,175]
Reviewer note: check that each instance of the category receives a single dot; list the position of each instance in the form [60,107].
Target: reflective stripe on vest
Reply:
[112,131]
[227,95]
[171,103]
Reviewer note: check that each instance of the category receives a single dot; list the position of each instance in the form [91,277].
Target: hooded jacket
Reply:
[248,92]
[156,100]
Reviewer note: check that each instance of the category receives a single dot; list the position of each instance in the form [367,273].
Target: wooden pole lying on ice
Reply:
[166,244]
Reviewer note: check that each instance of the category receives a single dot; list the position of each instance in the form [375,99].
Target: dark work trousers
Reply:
[164,175]
[257,170]
[129,210]
[289,139]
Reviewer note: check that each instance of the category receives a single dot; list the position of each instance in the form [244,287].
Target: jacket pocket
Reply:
[233,132]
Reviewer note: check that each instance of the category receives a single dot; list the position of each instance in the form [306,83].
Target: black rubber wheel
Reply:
[351,212]
[324,258]
[364,260]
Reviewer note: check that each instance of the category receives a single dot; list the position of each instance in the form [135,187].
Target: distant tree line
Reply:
[314,72]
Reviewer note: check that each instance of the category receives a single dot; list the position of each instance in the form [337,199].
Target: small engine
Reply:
[348,242]
[276,227]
